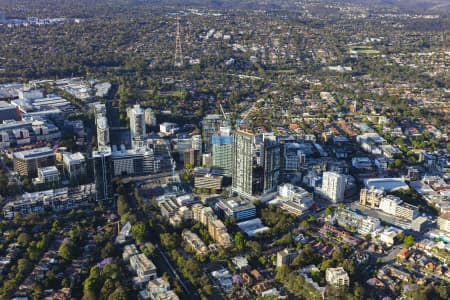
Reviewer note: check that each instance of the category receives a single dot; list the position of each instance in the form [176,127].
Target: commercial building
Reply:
[8,112]
[395,206]
[132,162]
[286,256]
[333,186]
[27,131]
[293,199]
[252,227]
[34,101]
[74,165]
[55,200]
[47,176]
[192,158]
[27,162]
[337,277]
[271,163]
[237,208]
[387,184]
[222,153]
[361,162]
[103,173]
[210,124]
[208,181]
[168,128]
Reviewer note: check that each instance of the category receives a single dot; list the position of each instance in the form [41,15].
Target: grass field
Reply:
[364,50]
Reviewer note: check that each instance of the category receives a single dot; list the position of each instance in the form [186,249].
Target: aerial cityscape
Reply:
[252,149]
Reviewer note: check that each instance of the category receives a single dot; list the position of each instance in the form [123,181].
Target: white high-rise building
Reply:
[150,117]
[102,132]
[333,186]
[137,122]
[197,142]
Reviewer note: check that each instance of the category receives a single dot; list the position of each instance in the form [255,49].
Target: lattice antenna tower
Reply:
[178,53]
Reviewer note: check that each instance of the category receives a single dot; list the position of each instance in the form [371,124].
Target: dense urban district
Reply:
[224,149]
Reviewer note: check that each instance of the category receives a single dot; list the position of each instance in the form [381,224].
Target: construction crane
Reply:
[225,118]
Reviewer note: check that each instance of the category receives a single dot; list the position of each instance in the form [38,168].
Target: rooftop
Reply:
[34,153]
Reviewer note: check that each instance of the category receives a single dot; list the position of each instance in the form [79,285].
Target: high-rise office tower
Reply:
[222,152]
[271,156]
[103,173]
[242,163]
[137,122]
[210,124]
[333,186]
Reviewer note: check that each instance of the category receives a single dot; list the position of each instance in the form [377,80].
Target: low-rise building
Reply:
[74,165]
[129,251]
[294,199]
[168,128]
[395,206]
[208,181]
[143,266]
[194,242]
[356,222]
[47,176]
[286,256]
[389,235]
[27,162]
[371,197]
[158,289]
[218,231]
[443,222]
[55,200]
[237,208]
[337,277]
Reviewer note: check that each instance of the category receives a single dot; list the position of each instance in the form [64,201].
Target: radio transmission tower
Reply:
[178,54]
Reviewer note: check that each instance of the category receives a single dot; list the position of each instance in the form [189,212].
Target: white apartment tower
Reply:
[333,186]
[137,121]
[102,132]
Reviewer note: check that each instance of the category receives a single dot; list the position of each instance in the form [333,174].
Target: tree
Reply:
[118,294]
[408,241]
[239,241]
[122,205]
[24,238]
[139,232]
[398,163]
[169,241]
[255,248]
[328,211]
[67,250]
[108,251]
